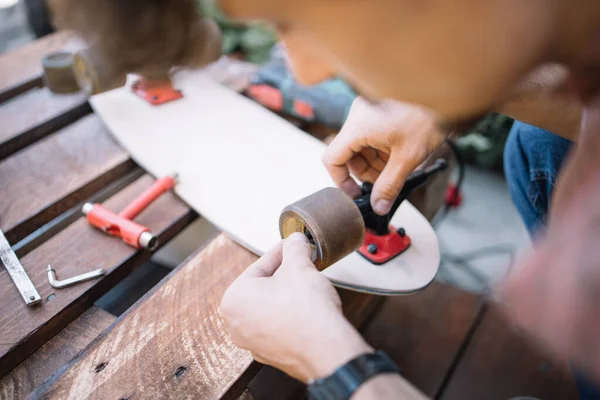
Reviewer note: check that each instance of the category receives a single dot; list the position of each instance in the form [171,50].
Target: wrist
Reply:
[336,346]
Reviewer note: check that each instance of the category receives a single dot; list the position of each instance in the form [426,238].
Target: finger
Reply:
[390,182]
[335,159]
[372,156]
[266,265]
[296,252]
[363,171]
[384,156]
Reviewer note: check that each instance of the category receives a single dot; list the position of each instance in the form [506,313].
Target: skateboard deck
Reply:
[239,165]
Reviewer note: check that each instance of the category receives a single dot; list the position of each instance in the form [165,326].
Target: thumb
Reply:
[265,266]
[296,251]
[390,182]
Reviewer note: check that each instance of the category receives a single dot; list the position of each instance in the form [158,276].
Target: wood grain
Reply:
[36,114]
[51,176]
[77,249]
[177,326]
[50,357]
[22,68]
[500,364]
[424,332]
[174,345]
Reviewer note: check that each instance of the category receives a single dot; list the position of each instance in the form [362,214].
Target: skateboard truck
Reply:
[156,92]
[336,225]
[383,241]
[122,224]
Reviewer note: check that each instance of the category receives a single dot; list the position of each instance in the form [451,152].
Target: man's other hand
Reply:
[289,315]
[382,143]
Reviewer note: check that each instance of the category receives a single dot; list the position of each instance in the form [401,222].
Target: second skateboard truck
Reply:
[337,225]
[122,224]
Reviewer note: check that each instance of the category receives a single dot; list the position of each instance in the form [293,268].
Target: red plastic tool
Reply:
[156,92]
[380,249]
[122,224]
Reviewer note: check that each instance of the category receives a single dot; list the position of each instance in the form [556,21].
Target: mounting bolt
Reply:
[401,232]
[372,248]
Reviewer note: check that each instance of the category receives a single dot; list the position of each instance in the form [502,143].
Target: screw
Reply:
[401,232]
[50,297]
[372,248]
[31,298]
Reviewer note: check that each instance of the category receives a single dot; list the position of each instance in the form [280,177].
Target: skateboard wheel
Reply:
[92,77]
[330,220]
[58,73]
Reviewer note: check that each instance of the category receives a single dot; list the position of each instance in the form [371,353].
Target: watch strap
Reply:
[345,380]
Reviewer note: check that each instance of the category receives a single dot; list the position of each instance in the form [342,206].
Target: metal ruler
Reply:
[17,272]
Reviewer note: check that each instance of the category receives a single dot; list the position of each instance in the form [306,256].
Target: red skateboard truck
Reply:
[383,241]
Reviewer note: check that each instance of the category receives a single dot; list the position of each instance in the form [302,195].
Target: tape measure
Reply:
[58,72]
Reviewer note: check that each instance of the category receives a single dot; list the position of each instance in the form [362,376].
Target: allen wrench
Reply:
[57,284]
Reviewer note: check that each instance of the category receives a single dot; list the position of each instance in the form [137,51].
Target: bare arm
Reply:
[388,387]
[541,101]
[322,360]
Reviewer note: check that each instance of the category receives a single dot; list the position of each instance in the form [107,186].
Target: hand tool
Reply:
[17,273]
[337,225]
[122,224]
[73,280]
[274,87]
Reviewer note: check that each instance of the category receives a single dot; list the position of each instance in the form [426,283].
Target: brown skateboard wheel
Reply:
[331,221]
[58,72]
[92,77]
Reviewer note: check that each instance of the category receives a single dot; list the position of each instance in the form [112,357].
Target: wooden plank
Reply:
[173,343]
[36,114]
[51,176]
[50,357]
[176,328]
[22,68]
[78,248]
[501,364]
[424,332]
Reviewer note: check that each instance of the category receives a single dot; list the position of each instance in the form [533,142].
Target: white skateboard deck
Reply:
[239,165]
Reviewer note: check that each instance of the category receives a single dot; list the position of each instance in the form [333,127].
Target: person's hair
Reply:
[147,37]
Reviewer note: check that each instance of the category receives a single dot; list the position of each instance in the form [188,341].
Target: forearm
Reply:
[542,101]
[330,355]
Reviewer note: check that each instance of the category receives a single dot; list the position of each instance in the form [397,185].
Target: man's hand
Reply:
[288,315]
[382,143]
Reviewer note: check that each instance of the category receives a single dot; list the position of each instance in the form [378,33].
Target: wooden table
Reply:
[56,154]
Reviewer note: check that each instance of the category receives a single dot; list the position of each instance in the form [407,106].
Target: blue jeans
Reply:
[532,160]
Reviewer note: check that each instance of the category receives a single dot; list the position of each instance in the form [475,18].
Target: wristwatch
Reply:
[344,381]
